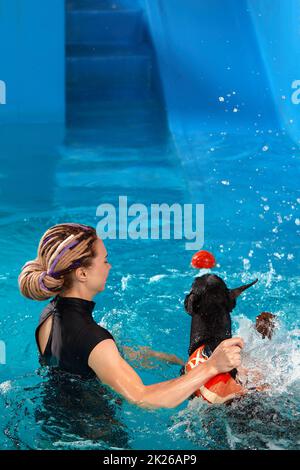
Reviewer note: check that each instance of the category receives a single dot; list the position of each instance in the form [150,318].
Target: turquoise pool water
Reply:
[250,187]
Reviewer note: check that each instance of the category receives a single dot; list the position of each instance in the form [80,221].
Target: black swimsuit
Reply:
[74,334]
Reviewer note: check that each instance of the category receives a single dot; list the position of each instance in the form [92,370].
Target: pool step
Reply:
[90,115]
[101,4]
[95,27]
[109,73]
[114,124]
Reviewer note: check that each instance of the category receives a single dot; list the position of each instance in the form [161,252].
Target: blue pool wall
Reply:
[244,51]
[32,64]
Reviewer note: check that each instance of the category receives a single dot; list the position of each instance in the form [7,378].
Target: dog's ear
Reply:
[234,293]
[190,303]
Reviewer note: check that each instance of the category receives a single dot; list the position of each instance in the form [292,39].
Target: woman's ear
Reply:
[81,274]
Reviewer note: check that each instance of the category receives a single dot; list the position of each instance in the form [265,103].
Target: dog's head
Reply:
[209,303]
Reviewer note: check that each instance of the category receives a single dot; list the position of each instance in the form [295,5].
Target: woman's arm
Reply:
[114,371]
[144,353]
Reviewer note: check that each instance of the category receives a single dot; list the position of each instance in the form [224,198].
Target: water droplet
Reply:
[246,264]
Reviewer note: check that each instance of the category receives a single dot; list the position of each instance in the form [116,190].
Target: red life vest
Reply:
[220,388]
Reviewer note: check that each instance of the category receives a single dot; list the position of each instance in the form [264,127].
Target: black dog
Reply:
[210,303]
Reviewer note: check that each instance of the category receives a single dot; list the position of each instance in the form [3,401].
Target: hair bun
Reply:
[35,283]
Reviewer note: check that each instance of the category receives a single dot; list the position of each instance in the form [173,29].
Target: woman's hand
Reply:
[227,355]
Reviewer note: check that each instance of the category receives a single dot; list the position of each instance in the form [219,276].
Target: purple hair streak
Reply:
[41,282]
[56,260]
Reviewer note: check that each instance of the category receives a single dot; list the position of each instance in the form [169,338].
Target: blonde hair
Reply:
[62,248]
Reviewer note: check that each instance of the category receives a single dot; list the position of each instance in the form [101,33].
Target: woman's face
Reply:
[98,271]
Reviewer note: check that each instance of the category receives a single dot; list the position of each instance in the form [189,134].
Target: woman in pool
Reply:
[72,267]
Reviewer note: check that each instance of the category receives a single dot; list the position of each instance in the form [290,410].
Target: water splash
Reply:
[242,424]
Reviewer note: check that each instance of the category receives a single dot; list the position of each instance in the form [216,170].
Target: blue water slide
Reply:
[231,64]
